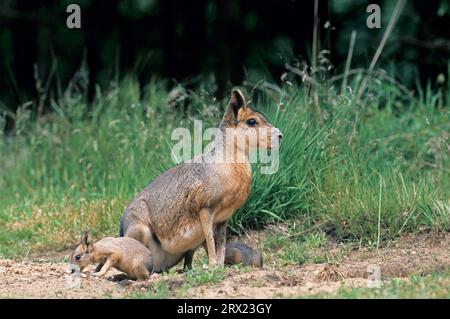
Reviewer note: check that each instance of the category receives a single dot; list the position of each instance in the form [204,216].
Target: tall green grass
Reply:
[365,173]
[365,170]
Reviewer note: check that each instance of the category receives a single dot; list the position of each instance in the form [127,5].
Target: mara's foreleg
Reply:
[206,219]
[221,242]
[99,267]
[104,269]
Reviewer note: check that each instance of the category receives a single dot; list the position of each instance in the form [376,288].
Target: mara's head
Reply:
[246,127]
[82,256]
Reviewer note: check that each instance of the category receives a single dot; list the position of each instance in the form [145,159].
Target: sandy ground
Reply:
[46,277]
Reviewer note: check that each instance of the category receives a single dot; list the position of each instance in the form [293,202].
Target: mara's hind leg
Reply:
[143,274]
[221,242]
[163,260]
[140,232]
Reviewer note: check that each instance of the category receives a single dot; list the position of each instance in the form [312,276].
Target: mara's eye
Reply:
[77,257]
[251,122]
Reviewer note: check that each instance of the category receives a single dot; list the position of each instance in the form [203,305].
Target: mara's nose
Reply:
[280,136]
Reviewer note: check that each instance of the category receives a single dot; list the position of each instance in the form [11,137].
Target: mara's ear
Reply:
[237,101]
[86,239]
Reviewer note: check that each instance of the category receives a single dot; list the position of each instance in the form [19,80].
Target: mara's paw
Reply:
[97,274]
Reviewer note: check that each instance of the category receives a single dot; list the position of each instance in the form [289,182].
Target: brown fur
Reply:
[239,253]
[124,253]
[192,203]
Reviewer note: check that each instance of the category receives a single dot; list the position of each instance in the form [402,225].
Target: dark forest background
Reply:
[199,40]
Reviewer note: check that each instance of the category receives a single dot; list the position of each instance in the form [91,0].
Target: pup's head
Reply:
[82,256]
[248,127]
[257,260]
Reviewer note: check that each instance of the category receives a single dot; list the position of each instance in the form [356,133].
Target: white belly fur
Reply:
[193,236]
[190,237]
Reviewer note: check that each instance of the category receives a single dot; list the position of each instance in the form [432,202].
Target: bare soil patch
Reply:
[46,277]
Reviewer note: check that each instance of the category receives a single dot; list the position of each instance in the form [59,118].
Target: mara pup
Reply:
[125,254]
[191,203]
[240,253]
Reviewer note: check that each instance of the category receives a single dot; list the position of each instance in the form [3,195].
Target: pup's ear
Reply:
[86,239]
[237,102]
